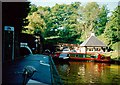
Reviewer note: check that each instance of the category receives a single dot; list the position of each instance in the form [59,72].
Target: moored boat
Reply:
[84,57]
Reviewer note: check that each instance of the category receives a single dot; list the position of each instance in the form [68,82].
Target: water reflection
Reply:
[88,72]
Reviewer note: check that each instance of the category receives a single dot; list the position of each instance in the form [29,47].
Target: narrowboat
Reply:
[82,57]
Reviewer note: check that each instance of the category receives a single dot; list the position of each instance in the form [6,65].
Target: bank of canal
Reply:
[88,73]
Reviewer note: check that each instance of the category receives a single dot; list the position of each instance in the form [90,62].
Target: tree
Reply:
[101,21]
[112,27]
[36,24]
[89,14]
[33,8]
[65,17]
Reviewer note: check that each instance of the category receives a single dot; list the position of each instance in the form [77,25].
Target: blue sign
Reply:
[9,28]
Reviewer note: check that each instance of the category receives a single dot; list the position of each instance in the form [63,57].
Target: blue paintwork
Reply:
[12,72]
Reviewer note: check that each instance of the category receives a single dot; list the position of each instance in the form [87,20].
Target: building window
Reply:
[90,49]
[96,49]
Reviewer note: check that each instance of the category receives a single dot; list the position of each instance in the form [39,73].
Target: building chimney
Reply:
[92,34]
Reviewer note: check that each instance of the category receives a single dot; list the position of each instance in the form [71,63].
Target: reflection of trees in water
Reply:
[112,74]
[93,72]
[81,71]
[88,72]
[73,73]
[64,68]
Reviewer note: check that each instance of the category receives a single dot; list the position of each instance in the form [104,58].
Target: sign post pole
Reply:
[10,28]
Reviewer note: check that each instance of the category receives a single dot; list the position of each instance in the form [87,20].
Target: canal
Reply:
[76,73]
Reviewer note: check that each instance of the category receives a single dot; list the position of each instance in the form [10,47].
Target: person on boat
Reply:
[99,56]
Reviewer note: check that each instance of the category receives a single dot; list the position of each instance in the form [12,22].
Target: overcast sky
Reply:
[111,4]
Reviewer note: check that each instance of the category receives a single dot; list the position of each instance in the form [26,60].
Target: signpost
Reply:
[10,29]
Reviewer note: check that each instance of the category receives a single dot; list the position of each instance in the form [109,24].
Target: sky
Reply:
[111,4]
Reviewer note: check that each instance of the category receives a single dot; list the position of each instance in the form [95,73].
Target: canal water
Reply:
[77,73]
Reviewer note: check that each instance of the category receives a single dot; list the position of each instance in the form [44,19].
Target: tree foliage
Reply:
[62,21]
[101,21]
[33,8]
[73,22]
[35,23]
[112,27]
[89,15]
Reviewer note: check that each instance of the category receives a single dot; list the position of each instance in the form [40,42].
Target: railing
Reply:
[26,46]
[56,80]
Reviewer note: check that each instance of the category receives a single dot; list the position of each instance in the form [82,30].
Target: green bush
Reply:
[116,46]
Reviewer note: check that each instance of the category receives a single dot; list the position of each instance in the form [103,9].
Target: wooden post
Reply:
[85,51]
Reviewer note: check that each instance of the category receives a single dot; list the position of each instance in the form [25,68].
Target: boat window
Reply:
[81,55]
[68,55]
[88,56]
[77,55]
[72,55]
